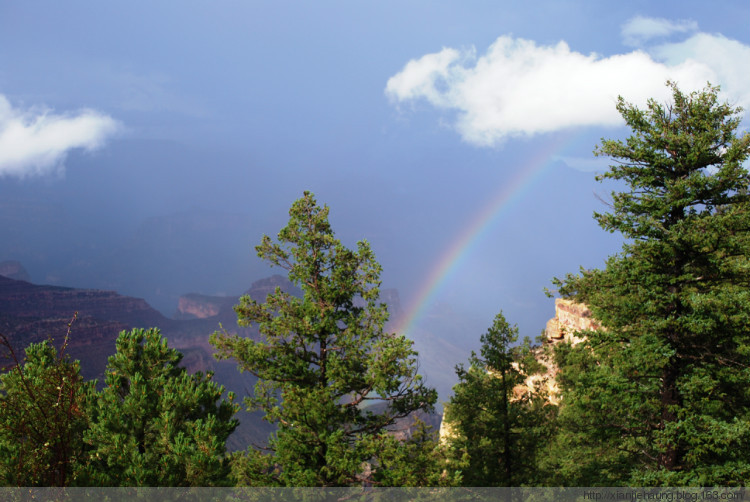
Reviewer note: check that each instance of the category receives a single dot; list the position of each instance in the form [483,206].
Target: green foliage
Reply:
[322,358]
[587,447]
[497,429]
[420,460]
[42,418]
[154,424]
[662,395]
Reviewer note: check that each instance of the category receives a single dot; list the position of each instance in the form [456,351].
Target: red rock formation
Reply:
[569,318]
[193,306]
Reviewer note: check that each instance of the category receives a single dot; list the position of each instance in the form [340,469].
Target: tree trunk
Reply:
[669,459]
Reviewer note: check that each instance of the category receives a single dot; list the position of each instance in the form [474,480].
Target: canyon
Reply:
[92,319]
[31,313]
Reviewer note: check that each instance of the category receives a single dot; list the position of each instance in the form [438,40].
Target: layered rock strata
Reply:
[570,318]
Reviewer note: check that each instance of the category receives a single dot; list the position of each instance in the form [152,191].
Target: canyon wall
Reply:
[570,318]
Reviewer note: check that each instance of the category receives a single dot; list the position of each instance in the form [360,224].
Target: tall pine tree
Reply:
[323,360]
[494,428]
[665,387]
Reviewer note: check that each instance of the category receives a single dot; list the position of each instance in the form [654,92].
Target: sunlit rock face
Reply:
[570,319]
[194,306]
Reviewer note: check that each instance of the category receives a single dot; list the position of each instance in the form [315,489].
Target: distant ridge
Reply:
[31,313]
[24,299]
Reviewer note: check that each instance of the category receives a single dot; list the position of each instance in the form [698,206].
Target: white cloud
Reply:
[420,77]
[640,29]
[519,88]
[728,59]
[36,141]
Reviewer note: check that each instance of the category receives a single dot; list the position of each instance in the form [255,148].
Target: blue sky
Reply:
[137,132]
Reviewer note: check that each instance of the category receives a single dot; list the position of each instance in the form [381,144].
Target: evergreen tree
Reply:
[154,424]
[323,359]
[665,387]
[588,446]
[490,421]
[42,418]
[419,461]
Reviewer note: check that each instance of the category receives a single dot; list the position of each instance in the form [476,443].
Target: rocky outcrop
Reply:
[91,340]
[194,306]
[221,308]
[570,319]
[264,287]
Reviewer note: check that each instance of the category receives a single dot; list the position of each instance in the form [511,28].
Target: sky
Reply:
[146,147]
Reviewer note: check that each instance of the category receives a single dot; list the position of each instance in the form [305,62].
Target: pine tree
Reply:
[665,387]
[42,418]
[154,424]
[496,427]
[418,461]
[323,359]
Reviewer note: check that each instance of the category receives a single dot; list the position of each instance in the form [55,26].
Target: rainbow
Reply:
[457,254]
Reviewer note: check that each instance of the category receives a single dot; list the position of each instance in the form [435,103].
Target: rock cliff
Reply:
[194,306]
[221,308]
[570,319]
[31,313]
[25,300]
